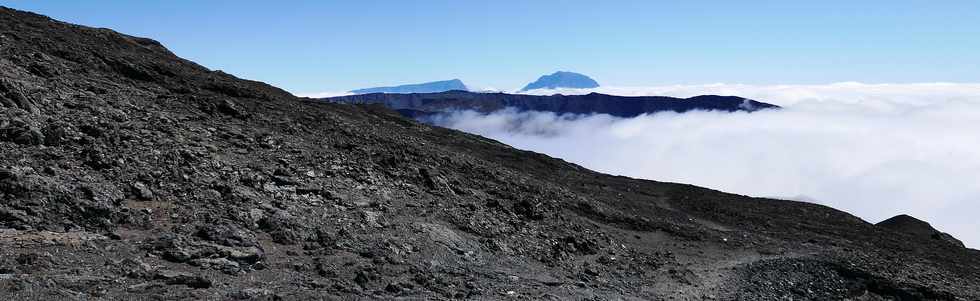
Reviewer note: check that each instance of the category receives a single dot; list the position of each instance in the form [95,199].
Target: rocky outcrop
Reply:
[915,227]
[12,97]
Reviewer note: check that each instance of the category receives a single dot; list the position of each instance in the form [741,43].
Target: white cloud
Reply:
[785,95]
[872,150]
[483,89]
[322,94]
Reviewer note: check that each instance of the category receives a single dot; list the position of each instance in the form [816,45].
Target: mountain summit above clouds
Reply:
[562,79]
[128,173]
[430,87]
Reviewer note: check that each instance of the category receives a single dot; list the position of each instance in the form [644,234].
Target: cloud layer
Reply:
[787,95]
[872,150]
[322,94]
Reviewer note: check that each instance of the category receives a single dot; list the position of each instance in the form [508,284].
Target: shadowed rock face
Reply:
[431,87]
[913,226]
[129,173]
[562,79]
[423,104]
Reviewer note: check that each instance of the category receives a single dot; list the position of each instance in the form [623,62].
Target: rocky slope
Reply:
[424,104]
[129,173]
[430,87]
[562,79]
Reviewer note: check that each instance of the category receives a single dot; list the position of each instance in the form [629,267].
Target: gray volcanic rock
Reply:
[158,179]
[562,79]
[425,104]
[430,87]
[913,226]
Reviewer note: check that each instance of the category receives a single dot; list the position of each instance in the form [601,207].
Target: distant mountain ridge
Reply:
[429,87]
[422,104]
[562,79]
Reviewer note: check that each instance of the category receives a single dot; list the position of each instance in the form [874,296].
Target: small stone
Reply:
[427,178]
[141,286]
[606,259]
[93,131]
[591,271]
[27,136]
[48,170]
[223,264]
[250,293]
[393,288]
[7,174]
[230,108]
[227,234]
[55,135]
[259,266]
[308,190]
[135,268]
[285,181]
[142,192]
[371,219]
[256,215]
[183,278]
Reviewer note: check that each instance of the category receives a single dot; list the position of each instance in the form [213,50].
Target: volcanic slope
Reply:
[129,173]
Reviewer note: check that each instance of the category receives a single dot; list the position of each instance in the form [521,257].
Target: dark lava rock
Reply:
[253,294]
[141,191]
[12,97]
[135,268]
[227,234]
[230,108]
[21,133]
[182,278]
[55,135]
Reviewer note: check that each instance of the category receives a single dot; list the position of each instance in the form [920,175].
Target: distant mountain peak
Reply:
[562,79]
[429,87]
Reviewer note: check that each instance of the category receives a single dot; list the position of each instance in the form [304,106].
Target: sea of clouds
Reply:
[323,94]
[873,150]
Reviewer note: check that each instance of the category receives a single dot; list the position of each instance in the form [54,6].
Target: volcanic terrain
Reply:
[127,172]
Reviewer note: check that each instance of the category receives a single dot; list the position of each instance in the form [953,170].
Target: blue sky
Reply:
[309,46]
